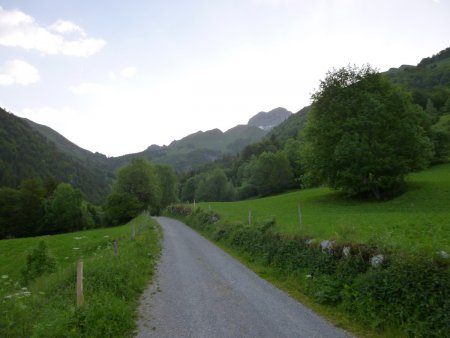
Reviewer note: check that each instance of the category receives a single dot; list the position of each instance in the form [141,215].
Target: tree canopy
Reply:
[364,134]
[137,188]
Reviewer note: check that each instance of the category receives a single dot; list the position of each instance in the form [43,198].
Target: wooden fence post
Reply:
[133,232]
[80,296]
[250,217]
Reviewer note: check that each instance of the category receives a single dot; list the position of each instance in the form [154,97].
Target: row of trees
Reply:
[36,208]
[264,174]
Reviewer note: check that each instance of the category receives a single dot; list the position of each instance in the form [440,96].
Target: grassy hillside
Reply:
[417,220]
[112,284]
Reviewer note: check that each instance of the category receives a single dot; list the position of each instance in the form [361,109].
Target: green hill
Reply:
[419,219]
[197,149]
[26,153]
[429,80]
[290,127]
[93,159]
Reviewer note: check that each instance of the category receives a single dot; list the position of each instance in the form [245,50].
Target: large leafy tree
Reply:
[272,173]
[364,134]
[215,187]
[63,210]
[136,189]
[169,184]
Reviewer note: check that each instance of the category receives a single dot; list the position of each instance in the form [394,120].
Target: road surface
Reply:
[201,291]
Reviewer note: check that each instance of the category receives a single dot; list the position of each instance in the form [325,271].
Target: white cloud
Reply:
[18,29]
[112,76]
[272,3]
[66,27]
[18,72]
[128,72]
[88,88]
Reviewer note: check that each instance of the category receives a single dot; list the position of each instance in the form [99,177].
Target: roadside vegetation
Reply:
[38,279]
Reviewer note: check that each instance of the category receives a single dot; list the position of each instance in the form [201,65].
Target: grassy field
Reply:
[417,220]
[112,284]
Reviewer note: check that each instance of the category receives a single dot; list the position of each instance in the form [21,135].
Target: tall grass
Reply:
[112,283]
[418,220]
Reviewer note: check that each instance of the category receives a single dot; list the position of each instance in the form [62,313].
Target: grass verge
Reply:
[46,307]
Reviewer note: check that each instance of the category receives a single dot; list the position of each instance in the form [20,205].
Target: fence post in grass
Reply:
[115,247]
[250,217]
[80,296]
[133,232]
[299,215]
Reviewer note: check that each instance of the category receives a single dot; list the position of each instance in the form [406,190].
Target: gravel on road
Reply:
[201,291]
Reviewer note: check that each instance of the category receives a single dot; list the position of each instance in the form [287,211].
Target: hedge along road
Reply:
[201,291]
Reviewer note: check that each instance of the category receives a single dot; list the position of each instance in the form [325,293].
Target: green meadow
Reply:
[46,306]
[418,220]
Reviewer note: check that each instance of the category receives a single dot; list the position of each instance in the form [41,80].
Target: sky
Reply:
[118,76]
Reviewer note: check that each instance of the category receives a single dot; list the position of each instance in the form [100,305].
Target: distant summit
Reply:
[268,120]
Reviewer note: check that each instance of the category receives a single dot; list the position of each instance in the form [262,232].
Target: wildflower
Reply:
[106,236]
[24,288]
[66,257]
[77,238]
[76,248]
[8,296]
[308,276]
[4,276]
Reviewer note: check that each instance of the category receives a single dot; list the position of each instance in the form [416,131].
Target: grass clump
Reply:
[112,284]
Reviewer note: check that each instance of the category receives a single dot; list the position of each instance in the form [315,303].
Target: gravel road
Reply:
[201,291]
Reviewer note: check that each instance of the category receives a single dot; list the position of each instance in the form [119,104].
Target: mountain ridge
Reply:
[184,154]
